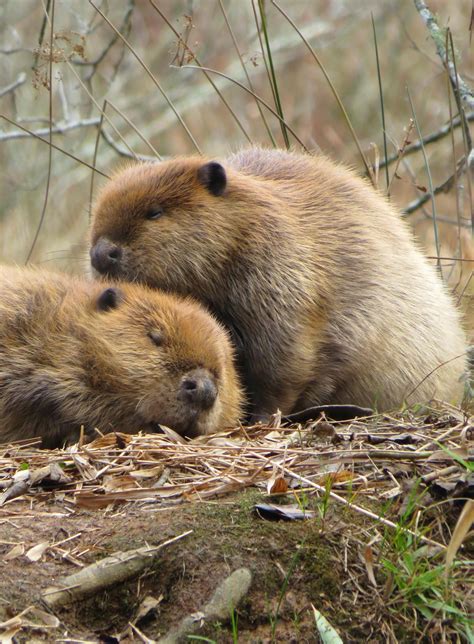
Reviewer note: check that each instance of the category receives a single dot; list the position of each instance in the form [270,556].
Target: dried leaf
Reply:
[15,552]
[147,605]
[122,482]
[463,525]
[369,564]
[6,637]
[326,632]
[149,473]
[14,491]
[277,485]
[36,552]
[174,436]
[52,473]
[114,439]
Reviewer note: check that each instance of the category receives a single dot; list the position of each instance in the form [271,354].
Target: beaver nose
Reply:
[198,388]
[105,256]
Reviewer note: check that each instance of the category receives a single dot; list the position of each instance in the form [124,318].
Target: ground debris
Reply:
[226,599]
[371,456]
[103,574]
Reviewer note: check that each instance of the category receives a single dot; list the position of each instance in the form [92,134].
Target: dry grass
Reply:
[395,481]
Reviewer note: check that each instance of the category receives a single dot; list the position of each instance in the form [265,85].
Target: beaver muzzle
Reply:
[106,256]
[198,389]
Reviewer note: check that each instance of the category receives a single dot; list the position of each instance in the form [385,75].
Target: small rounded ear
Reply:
[109,299]
[212,176]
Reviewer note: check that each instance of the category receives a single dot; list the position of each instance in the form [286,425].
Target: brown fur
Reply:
[65,362]
[328,297]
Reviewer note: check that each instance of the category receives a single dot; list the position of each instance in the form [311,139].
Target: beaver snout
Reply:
[106,256]
[198,388]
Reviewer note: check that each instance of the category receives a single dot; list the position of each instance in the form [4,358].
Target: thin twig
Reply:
[50,149]
[258,98]
[430,138]
[442,187]
[247,75]
[122,151]
[68,154]
[135,128]
[151,75]
[208,77]
[430,182]
[333,89]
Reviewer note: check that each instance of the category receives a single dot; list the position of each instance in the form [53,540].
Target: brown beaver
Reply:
[315,273]
[120,357]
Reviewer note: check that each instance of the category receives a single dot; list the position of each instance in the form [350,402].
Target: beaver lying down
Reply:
[113,357]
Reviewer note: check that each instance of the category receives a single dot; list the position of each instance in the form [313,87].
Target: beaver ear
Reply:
[109,299]
[212,176]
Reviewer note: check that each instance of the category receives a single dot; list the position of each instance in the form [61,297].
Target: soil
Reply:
[293,565]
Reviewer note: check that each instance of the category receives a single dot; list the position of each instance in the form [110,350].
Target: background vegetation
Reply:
[129,67]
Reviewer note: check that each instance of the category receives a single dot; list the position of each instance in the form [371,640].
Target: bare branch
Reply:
[122,151]
[59,128]
[151,75]
[430,138]
[12,87]
[68,154]
[246,89]
[438,35]
[124,30]
[443,187]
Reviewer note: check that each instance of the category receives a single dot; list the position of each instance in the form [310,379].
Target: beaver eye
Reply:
[154,213]
[157,337]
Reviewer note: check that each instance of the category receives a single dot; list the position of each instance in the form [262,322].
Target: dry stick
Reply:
[153,78]
[237,49]
[42,32]
[433,370]
[451,259]
[68,154]
[401,153]
[382,106]
[430,183]
[104,573]
[122,152]
[84,87]
[94,158]
[429,138]
[456,186]
[272,75]
[333,89]
[467,140]
[195,58]
[468,281]
[50,149]
[462,92]
[135,128]
[258,98]
[360,509]
[125,23]
[443,187]
[465,92]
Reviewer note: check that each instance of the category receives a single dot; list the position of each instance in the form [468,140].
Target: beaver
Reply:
[122,357]
[318,278]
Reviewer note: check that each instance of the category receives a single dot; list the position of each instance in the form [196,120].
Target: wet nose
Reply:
[105,256]
[198,388]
